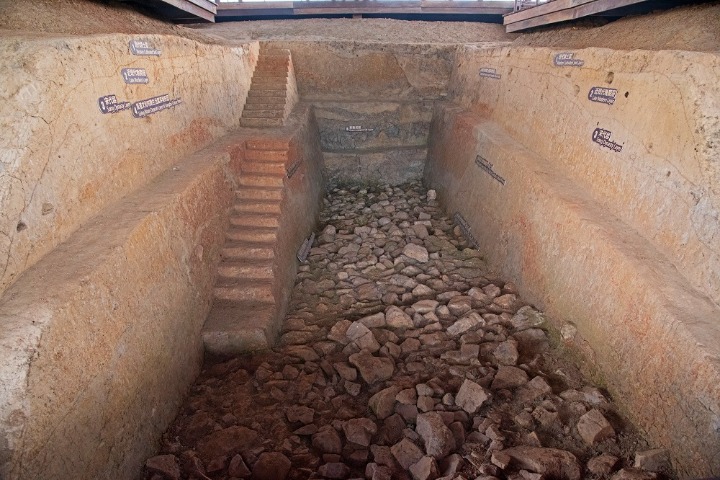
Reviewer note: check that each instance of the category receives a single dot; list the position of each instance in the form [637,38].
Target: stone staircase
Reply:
[273,91]
[245,297]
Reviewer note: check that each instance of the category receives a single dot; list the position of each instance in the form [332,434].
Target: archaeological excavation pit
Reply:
[359,248]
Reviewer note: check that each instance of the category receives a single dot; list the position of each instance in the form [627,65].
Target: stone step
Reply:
[263,113]
[247,269]
[237,250]
[251,235]
[245,290]
[261,122]
[247,219]
[280,70]
[259,193]
[263,167]
[267,143]
[267,155]
[257,206]
[266,100]
[238,328]
[266,92]
[260,180]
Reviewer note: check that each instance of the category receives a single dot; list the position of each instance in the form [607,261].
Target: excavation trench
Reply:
[513,274]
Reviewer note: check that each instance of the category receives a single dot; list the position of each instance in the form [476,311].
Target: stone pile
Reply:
[401,358]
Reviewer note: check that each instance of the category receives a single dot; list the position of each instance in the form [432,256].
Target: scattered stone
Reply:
[468,322]
[655,460]
[602,464]
[437,437]
[237,468]
[382,404]
[594,428]
[500,459]
[360,431]
[634,474]
[406,453]
[372,369]
[271,466]
[166,465]
[424,469]
[416,252]
[336,470]
[299,413]
[226,442]
[425,306]
[509,377]
[471,396]
[327,440]
[396,318]
[551,462]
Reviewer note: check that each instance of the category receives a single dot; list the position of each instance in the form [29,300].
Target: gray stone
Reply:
[406,453]
[336,470]
[437,437]
[382,404]
[471,396]
[396,318]
[166,465]
[594,428]
[271,466]
[655,460]
[506,353]
[327,440]
[509,377]
[602,464]
[468,322]
[527,317]
[551,462]
[360,431]
[425,306]
[416,252]
[424,469]
[372,369]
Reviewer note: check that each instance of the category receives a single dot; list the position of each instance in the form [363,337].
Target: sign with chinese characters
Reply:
[305,248]
[133,76]
[489,73]
[146,107]
[465,227]
[602,95]
[487,167]
[143,48]
[110,104]
[603,138]
[567,59]
[358,128]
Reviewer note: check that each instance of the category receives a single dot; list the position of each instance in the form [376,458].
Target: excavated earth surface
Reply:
[401,357]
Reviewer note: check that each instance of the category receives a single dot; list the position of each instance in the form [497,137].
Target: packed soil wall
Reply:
[62,159]
[590,178]
[109,240]
[373,103]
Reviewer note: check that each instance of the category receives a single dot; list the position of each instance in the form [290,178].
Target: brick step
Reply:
[267,143]
[266,92]
[257,206]
[269,81]
[247,219]
[280,70]
[251,192]
[238,250]
[244,290]
[267,155]
[247,269]
[259,180]
[264,106]
[266,100]
[251,235]
[278,113]
[277,168]
[261,122]
[238,327]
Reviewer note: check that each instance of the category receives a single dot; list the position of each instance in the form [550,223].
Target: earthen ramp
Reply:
[143,226]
